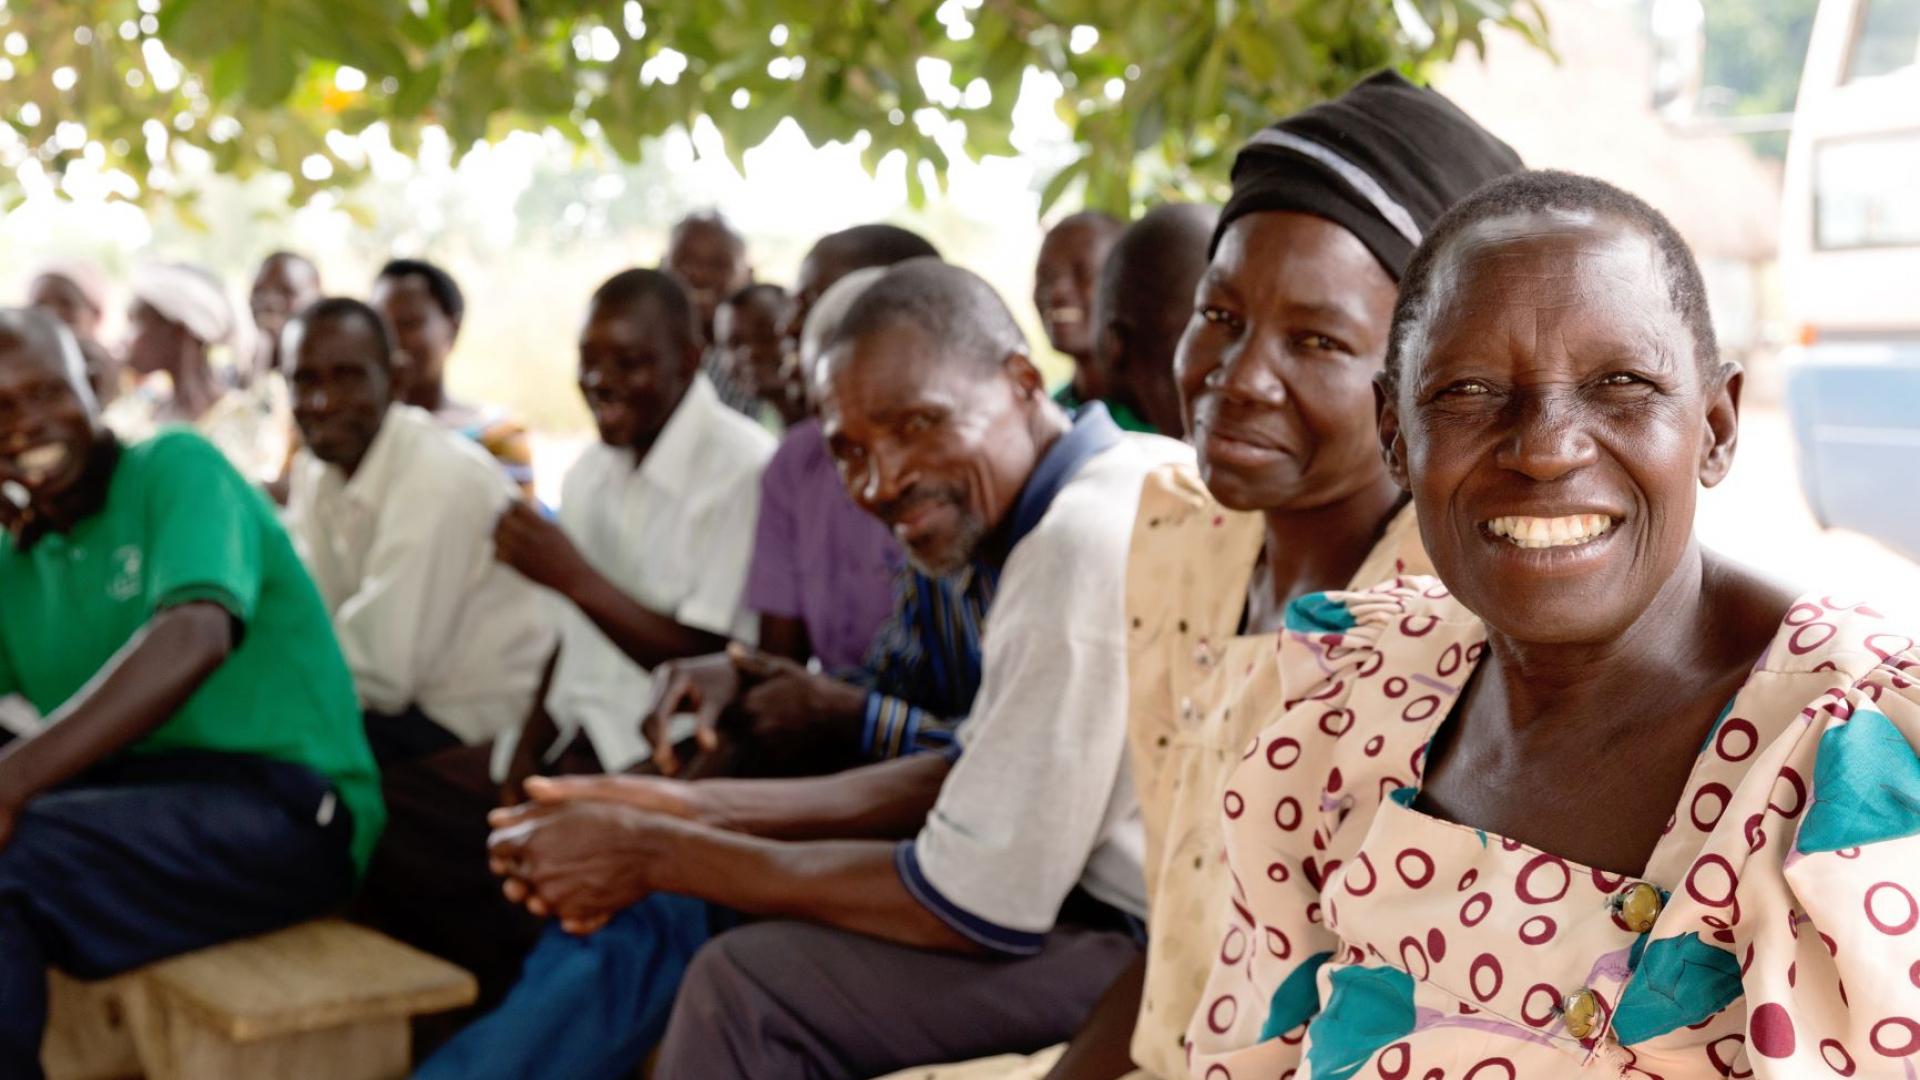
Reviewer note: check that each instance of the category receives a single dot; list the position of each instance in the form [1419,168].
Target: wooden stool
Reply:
[322,1001]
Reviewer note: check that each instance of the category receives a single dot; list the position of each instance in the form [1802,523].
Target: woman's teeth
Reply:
[1537,532]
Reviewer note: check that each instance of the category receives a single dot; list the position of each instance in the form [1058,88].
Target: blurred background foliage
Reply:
[1156,93]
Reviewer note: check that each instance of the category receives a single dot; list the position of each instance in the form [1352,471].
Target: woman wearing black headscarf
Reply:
[1290,497]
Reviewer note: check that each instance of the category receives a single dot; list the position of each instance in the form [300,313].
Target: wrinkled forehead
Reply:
[891,369]
[1558,265]
[1569,250]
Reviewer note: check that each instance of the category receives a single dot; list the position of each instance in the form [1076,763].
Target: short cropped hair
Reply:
[954,307]
[874,245]
[37,330]
[334,309]
[440,284]
[632,289]
[759,290]
[708,219]
[1549,191]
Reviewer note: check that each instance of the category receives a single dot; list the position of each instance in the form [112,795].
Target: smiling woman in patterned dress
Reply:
[1596,801]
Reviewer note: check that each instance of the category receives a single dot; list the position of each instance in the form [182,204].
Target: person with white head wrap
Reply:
[179,317]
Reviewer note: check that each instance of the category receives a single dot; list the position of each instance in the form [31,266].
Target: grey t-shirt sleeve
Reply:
[1030,798]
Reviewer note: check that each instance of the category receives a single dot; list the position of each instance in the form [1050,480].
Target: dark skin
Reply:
[1554,378]
[1276,373]
[749,332]
[635,367]
[156,344]
[776,700]
[61,298]
[164,662]
[818,272]
[710,260]
[902,418]
[342,387]
[1064,279]
[940,461]
[285,286]
[423,335]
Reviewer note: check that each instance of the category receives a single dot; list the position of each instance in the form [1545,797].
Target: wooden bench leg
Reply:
[89,1029]
[174,1045]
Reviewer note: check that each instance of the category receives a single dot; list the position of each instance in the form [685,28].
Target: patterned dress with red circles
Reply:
[1775,933]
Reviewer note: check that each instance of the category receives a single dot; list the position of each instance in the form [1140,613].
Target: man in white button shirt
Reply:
[649,561]
[656,522]
[393,514]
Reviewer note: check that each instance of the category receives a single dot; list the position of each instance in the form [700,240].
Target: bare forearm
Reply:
[144,684]
[647,637]
[849,884]
[887,801]
[1102,1050]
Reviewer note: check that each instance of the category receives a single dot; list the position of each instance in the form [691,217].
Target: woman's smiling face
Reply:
[1554,422]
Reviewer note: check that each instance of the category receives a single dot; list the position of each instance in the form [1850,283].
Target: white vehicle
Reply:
[1850,263]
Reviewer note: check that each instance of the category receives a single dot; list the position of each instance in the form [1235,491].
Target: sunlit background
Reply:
[531,223]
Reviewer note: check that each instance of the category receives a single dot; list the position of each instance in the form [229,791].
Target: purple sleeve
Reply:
[773,577]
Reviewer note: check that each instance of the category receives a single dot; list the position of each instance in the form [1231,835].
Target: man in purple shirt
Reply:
[823,569]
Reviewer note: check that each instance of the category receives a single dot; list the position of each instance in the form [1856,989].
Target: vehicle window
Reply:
[1886,39]
[1866,192]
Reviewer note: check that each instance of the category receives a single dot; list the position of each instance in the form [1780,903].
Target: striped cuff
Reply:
[889,728]
[987,934]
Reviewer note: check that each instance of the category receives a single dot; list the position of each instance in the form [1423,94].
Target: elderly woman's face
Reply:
[1277,363]
[1554,425]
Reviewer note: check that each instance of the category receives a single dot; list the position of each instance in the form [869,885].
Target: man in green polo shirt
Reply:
[201,773]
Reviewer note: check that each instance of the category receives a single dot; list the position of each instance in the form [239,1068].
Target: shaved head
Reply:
[1153,268]
[952,306]
[1142,307]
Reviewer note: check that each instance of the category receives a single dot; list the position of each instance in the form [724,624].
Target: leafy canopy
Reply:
[1156,93]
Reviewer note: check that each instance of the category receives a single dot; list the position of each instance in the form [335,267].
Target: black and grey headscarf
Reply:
[1383,161]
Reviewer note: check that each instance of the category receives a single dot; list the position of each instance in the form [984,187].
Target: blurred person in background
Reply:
[423,306]
[1064,279]
[747,335]
[393,514]
[203,774]
[284,285]
[836,255]
[1142,305]
[77,293]
[709,259]
[179,321]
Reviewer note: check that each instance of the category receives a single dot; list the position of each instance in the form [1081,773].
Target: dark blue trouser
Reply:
[153,856]
[585,1007]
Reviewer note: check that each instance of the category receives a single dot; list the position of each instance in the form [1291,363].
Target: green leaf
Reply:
[1057,186]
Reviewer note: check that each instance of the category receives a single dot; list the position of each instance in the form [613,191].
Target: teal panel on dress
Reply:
[1367,1009]
[1296,999]
[1318,613]
[1866,786]
[1679,981]
[1404,796]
